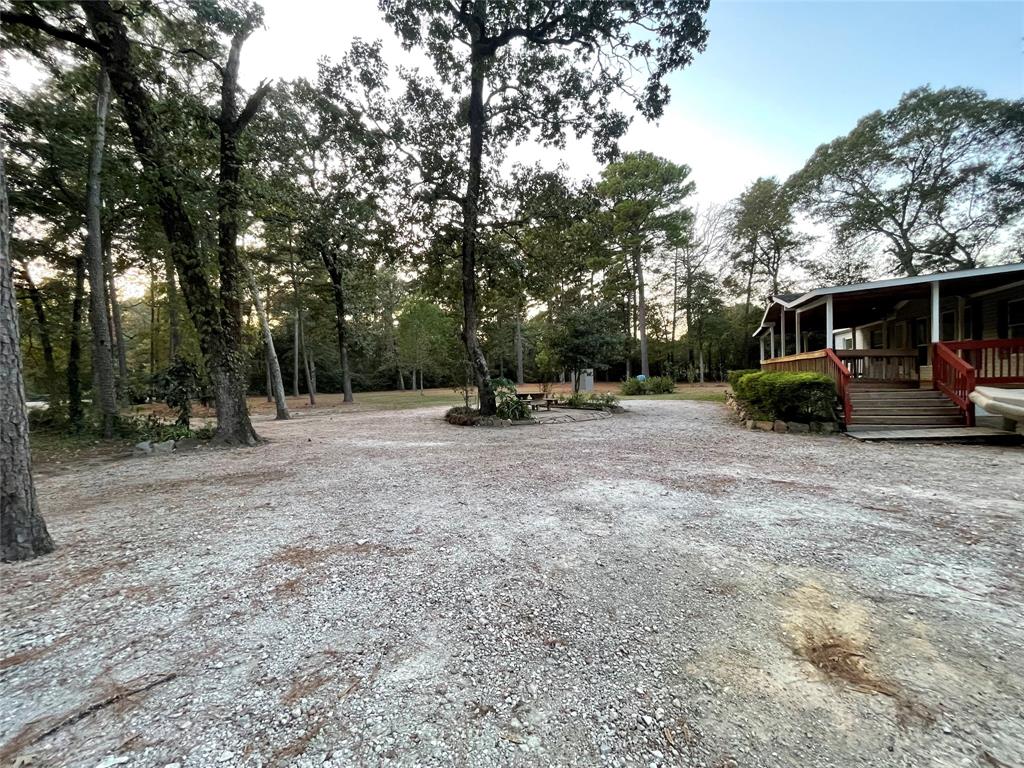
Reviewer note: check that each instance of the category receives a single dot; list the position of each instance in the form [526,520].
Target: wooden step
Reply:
[939,409]
[867,384]
[919,421]
[937,435]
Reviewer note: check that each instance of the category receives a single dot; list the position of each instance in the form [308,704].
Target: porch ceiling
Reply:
[863,307]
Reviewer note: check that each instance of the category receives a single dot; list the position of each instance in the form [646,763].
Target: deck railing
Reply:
[881,364]
[823,361]
[995,361]
[955,377]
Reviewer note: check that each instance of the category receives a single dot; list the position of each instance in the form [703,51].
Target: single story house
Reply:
[908,351]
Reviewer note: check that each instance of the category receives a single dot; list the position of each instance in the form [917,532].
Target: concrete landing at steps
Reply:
[987,435]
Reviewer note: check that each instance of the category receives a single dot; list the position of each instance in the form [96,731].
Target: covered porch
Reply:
[949,332]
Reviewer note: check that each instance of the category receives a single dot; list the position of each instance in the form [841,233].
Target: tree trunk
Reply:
[334,271]
[115,316]
[75,412]
[276,385]
[519,349]
[470,225]
[641,313]
[23,533]
[173,319]
[310,387]
[217,318]
[45,340]
[295,352]
[104,392]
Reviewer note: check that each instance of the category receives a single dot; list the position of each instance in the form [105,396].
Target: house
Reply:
[906,352]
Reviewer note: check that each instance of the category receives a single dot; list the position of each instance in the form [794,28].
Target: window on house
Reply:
[948,326]
[1015,319]
[875,341]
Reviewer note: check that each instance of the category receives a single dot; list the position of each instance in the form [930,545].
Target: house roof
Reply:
[981,276]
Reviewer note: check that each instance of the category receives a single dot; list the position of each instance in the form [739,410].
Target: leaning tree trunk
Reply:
[104,388]
[45,340]
[115,316]
[470,227]
[310,384]
[23,533]
[75,411]
[173,316]
[273,366]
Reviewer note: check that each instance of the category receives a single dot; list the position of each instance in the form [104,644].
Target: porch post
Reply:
[773,340]
[830,341]
[761,341]
[782,333]
[798,343]
[936,329]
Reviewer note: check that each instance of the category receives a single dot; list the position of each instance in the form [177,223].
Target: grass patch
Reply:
[709,396]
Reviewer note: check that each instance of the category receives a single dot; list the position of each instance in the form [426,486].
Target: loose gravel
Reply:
[386,589]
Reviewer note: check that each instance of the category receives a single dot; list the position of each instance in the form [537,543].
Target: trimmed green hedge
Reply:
[802,397]
[735,376]
[652,385]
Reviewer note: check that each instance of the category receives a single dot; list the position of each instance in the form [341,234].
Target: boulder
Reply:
[186,444]
[780,426]
[828,427]
[165,447]
[796,426]
[144,448]
[750,423]
[764,426]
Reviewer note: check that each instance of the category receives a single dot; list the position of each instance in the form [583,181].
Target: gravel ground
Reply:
[649,589]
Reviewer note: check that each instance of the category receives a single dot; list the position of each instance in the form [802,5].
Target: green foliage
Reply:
[463,416]
[735,376]
[595,400]
[585,337]
[789,396]
[178,386]
[932,181]
[154,429]
[509,406]
[653,385]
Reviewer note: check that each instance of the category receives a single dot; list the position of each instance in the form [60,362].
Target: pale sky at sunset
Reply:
[777,79]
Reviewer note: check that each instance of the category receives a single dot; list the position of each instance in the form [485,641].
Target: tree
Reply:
[546,68]
[584,337]
[765,228]
[644,194]
[104,387]
[938,180]
[23,532]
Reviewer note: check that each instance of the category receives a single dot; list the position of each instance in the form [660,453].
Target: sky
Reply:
[777,78]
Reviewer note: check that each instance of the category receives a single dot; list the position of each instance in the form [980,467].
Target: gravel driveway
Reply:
[658,588]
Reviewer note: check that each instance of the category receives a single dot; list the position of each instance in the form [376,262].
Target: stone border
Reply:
[797,427]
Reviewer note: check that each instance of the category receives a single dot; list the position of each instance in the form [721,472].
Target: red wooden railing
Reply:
[955,377]
[880,364]
[995,361]
[823,361]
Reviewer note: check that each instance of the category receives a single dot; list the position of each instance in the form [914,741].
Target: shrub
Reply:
[463,416]
[594,400]
[653,385]
[508,405]
[634,387]
[789,396]
[660,385]
[735,376]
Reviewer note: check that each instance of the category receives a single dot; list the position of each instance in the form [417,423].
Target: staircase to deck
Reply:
[890,405]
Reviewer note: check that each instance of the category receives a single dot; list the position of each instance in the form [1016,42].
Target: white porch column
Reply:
[761,341]
[799,344]
[773,340]
[936,324]
[830,334]
[782,333]
[961,305]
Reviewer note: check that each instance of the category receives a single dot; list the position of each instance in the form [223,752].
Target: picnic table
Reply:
[536,398]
